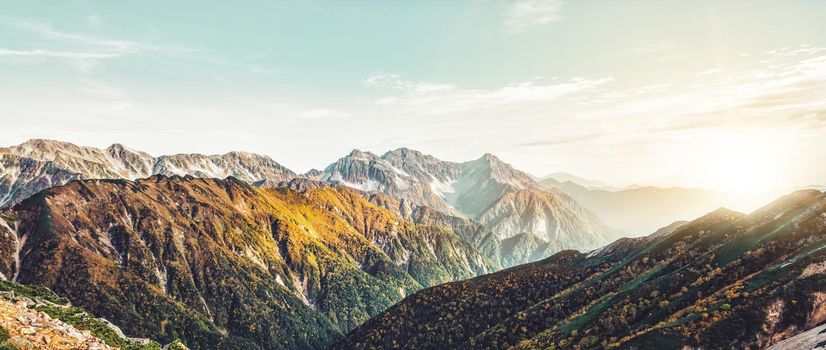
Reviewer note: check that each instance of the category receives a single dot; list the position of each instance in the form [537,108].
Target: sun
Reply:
[741,162]
[743,170]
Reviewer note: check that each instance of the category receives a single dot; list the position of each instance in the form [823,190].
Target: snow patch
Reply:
[442,188]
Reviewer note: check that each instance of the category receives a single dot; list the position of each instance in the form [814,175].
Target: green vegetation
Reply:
[4,337]
[32,292]
[695,287]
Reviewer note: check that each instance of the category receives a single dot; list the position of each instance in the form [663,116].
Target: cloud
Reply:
[55,54]
[562,140]
[84,52]
[442,98]
[522,15]
[651,47]
[45,31]
[323,114]
[100,89]
[781,92]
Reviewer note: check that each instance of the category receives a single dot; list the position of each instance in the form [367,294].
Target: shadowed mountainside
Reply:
[725,280]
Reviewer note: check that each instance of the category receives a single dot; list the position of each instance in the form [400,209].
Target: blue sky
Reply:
[653,92]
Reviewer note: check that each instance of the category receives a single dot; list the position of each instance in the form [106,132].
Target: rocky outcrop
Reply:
[36,318]
[31,329]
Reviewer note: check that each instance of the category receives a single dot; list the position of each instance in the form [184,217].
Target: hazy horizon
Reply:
[715,95]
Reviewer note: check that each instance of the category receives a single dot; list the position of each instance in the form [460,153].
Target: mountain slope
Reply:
[487,190]
[39,164]
[725,280]
[220,263]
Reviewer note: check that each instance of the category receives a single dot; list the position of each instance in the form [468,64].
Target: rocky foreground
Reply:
[36,318]
[27,328]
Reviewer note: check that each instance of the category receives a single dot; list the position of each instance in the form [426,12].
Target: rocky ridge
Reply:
[38,164]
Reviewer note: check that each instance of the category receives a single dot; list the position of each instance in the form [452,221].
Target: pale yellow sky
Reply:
[712,94]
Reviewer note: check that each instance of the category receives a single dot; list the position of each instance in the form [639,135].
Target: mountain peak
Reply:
[493,162]
[118,148]
[41,144]
[359,154]
[721,212]
[491,158]
[402,152]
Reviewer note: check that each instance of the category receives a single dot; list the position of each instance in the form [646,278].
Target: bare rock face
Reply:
[505,200]
[552,217]
[39,164]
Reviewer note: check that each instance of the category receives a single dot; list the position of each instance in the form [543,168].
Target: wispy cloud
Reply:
[55,54]
[323,114]
[83,51]
[46,31]
[440,98]
[651,47]
[100,89]
[523,15]
[782,92]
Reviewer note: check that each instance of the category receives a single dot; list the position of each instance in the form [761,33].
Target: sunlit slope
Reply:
[220,263]
[725,280]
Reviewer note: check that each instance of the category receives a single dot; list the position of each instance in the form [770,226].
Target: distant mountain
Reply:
[487,190]
[723,281]
[568,177]
[224,264]
[643,209]
[39,164]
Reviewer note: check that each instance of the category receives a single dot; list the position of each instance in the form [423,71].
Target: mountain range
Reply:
[560,177]
[537,221]
[38,164]
[640,210]
[724,280]
[401,250]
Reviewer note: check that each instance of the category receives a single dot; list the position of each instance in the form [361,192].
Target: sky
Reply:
[712,94]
